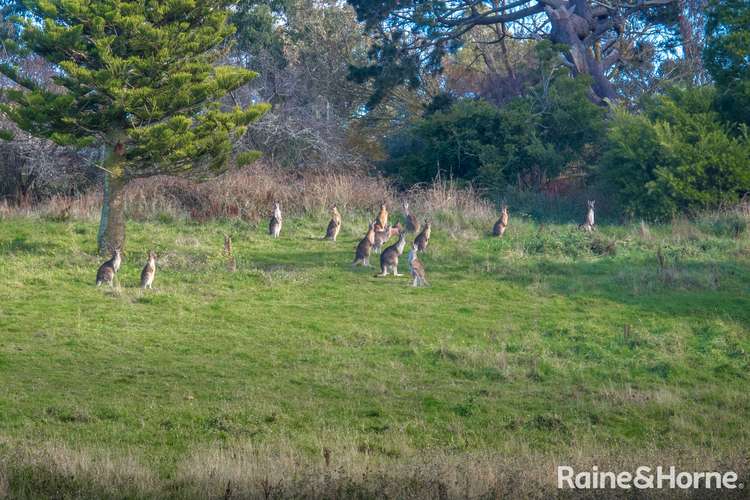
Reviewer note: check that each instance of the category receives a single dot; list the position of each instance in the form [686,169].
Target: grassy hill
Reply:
[300,374]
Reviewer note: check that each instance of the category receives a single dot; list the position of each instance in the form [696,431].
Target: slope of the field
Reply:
[549,342]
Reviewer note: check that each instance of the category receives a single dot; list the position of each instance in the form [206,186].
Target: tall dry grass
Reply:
[249,193]
[343,470]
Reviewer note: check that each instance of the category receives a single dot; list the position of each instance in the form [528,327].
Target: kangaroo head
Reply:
[591,204]
[115,251]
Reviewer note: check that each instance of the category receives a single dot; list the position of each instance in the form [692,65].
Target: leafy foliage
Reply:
[144,75]
[676,156]
[527,141]
[727,56]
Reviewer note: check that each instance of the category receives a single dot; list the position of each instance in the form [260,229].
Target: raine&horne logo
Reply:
[645,478]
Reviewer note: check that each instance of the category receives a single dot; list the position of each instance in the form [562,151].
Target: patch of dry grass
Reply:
[335,469]
[248,194]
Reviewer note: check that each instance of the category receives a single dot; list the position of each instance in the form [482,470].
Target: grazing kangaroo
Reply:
[362,254]
[502,223]
[416,269]
[389,257]
[381,221]
[334,226]
[231,262]
[149,271]
[588,223]
[274,227]
[412,223]
[107,271]
[423,238]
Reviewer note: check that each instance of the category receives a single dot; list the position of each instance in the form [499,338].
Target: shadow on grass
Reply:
[22,245]
[690,289]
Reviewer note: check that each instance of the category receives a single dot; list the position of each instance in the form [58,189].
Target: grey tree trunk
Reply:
[112,224]
[571,27]
[104,217]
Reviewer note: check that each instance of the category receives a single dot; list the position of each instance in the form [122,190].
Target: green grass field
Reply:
[549,343]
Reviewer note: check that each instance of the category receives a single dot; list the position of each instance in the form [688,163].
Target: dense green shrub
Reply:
[676,156]
[727,56]
[525,142]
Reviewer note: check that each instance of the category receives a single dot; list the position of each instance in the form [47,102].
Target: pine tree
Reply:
[727,56]
[141,79]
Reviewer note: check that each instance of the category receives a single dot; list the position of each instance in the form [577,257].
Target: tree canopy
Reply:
[416,35]
[728,56]
[143,74]
[143,79]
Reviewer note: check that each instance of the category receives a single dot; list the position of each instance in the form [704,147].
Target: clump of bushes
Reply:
[722,224]
[675,157]
[526,142]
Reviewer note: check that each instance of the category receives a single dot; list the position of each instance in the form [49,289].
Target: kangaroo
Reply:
[382,218]
[149,271]
[395,230]
[274,227]
[107,271]
[416,268]
[231,262]
[423,238]
[381,237]
[334,226]
[502,223]
[389,257]
[588,223]
[362,254]
[412,223]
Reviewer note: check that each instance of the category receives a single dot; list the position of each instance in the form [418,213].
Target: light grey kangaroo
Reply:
[274,227]
[588,222]
[389,257]
[416,268]
[149,271]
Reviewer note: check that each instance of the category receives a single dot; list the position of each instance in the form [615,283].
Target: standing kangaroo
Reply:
[423,238]
[274,227]
[588,222]
[362,254]
[149,271]
[412,223]
[416,268]
[107,271]
[381,237]
[381,221]
[389,257]
[502,223]
[334,226]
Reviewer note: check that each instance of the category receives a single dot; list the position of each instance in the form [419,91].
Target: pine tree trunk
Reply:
[104,217]
[112,224]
